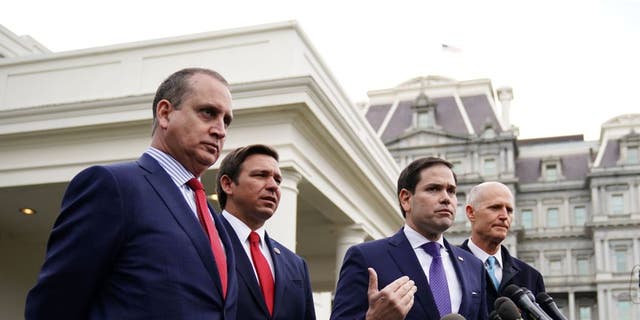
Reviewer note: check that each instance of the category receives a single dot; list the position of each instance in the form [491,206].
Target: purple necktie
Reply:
[438,279]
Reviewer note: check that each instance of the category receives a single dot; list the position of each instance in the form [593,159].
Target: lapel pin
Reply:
[276,250]
[460,258]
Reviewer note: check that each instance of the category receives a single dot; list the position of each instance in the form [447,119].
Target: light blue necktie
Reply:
[438,279]
[491,268]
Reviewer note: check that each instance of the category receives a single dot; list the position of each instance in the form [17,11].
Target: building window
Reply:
[582,266]
[624,310]
[620,259]
[425,120]
[616,204]
[555,266]
[553,219]
[632,155]
[489,167]
[579,215]
[458,168]
[584,313]
[526,218]
[551,172]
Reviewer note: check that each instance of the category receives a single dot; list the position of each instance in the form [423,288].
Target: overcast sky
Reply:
[572,64]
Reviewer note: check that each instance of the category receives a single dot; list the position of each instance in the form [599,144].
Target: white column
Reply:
[347,236]
[543,264]
[567,223]
[605,252]
[602,304]
[569,266]
[636,251]
[283,225]
[572,305]
[595,200]
[599,252]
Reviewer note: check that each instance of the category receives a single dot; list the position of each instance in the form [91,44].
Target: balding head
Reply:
[490,211]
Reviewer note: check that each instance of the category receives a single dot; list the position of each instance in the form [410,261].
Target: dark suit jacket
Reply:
[127,246]
[392,258]
[293,297]
[514,271]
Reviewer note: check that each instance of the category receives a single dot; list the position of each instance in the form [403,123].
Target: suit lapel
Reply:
[161,182]
[280,276]
[459,265]
[245,267]
[409,265]
[508,269]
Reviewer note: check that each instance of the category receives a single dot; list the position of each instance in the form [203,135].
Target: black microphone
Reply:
[549,306]
[520,297]
[453,316]
[493,315]
[506,309]
[533,300]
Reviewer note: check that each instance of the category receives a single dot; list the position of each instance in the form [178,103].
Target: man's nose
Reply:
[218,128]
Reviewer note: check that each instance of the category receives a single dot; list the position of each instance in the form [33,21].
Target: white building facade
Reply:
[577,202]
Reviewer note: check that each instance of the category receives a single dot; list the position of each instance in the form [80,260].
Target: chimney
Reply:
[505,95]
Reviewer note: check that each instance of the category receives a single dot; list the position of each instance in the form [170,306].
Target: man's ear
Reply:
[163,110]
[471,215]
[405,199]
[225,184]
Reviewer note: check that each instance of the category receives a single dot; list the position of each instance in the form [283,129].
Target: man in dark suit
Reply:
[273,280]
[490,211]
[447,279]
[128,243]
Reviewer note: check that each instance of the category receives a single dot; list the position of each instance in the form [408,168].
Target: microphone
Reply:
[533,300]
[506,310]
[549,306]
[453,316]
[520,297]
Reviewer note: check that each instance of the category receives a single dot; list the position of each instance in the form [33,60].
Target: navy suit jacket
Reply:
[394,257]
[293,298]
[127,246]
[514,271]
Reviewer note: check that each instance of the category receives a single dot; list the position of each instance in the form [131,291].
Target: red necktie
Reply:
[214,238]
[263,270]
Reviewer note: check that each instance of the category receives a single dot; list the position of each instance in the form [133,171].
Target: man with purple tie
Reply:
[447,279]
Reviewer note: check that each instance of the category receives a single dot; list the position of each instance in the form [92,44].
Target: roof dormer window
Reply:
[424,113]
[630,149]
[551,169]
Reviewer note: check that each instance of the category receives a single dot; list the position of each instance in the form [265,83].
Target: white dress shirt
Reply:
[417,240]
[483,256]
[242,231]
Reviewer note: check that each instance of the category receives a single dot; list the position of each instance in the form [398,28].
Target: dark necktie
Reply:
[438,279]
[214,238]
[491,269]
[262,269]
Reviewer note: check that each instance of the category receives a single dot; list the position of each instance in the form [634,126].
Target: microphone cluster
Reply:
[541,307]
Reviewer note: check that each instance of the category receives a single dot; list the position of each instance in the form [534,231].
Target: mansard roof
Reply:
[462,108]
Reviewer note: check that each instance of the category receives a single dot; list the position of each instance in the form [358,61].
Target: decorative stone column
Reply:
[347,236]
[572,305]
[283,225]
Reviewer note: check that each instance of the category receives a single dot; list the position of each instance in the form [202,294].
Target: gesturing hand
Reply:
[392,302]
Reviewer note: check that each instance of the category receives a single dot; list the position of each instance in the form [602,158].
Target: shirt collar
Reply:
[417,240]
[241,229]
[480,254]
[178,173]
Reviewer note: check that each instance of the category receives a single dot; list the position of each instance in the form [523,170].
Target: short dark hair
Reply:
[410,175]
[174,88]
[231,165]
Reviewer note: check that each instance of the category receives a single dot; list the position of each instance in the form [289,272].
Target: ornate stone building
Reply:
[577,202]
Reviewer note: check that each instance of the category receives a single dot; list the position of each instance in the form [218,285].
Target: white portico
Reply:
[63,112]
